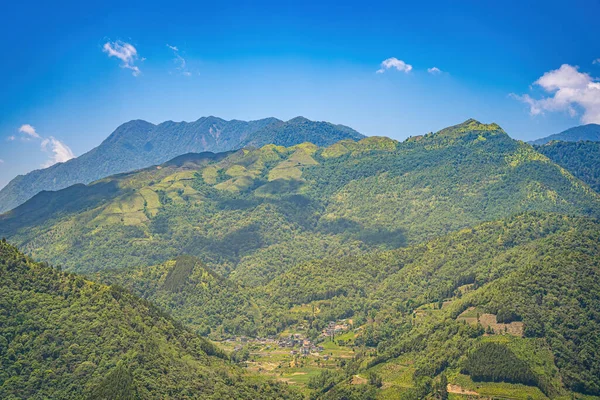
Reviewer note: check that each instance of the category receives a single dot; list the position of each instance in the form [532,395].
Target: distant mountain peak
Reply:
[469,126]
[298,120]
[589,132]
[139,144]
[298,130]
[133,127]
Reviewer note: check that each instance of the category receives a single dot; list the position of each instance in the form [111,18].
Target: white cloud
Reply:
[1,161]
[434,70]
[570,90]
[29,130]
[60,152]
[180,62]
[11,138]
[124,52]
[393,62]
[596,61]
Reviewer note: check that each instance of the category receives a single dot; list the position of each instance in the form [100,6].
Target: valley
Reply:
[313,200]
[458,264]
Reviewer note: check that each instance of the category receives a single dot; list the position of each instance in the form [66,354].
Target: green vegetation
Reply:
[62,336]
[254,213]
[140,144]
[493,362]
[582,159]
[425,309]
[541,269]
[299,130]
[458,263]
[208,303]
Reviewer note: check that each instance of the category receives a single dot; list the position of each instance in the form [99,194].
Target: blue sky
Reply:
[62,93]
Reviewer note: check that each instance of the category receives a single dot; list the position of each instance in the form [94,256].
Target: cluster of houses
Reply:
[306,346]
[297,343]
[335,328]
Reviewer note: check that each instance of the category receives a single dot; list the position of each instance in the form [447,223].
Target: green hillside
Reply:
[64,337]
[204,301]
[253,213]
[460,260]
[525,287]
[528,283]
[582,159]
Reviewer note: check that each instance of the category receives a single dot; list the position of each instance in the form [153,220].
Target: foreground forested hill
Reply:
[63,337]
[253,213]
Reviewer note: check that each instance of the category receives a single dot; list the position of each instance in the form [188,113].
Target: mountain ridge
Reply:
[138,144]
[578,133]
[252,212]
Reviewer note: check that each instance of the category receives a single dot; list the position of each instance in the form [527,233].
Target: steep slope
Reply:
[300,130]
[208,303]
[582,159]
[64,337]
[139,144]
[589,132]
[528,284]
[254,213]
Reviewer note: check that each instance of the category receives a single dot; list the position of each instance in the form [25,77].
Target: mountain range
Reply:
[242,211]
[456,264]
[139,144]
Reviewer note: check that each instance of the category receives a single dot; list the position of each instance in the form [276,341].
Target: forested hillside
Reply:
[459,260]
[527,284]
[139,144]
[252,214]
[208,303]
[64,337]
[422,305]
[582,159]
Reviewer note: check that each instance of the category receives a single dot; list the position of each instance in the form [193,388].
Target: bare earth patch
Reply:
[459,390]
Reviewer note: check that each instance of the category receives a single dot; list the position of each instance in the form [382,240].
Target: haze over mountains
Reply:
[139,144]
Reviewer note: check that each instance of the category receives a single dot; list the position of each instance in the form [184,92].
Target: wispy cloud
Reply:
[393,62]
[11,138]
[1,161]
[124,52]
[180,62]
[434,70]
[59,152]
[596,61]
[569,90]
[29,131]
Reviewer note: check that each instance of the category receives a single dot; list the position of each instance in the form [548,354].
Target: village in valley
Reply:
[292,356]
